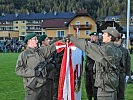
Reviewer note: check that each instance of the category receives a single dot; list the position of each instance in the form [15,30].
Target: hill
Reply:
[96,8]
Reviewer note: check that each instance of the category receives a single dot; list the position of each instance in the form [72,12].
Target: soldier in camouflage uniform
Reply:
[27,61]
[58,61]
[53,69]
[56,72]
[48,86]
[107,57]
[90,71]
[124,69]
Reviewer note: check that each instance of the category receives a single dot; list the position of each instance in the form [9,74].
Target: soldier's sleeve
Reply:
[80,43]
[47,50]
[94,51]
[21,68]
[128,64]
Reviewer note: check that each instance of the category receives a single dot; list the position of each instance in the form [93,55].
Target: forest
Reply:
[95,8]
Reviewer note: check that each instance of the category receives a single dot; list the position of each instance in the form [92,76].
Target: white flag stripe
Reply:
[77,59]
[76,56]
[58,47]
[67,86]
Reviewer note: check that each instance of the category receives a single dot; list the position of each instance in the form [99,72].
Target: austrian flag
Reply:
[69,87]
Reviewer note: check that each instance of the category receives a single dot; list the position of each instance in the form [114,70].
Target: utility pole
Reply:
[128,24]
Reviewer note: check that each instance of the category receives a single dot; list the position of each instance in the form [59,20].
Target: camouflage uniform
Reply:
[90,78]
[53,76]
[43,40]
[124,70]
[90,71]
[48,86]
[27,61]
[107,59]
[56,73]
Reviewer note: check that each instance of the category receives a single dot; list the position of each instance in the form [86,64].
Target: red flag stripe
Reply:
[60,46]
[71,78]
[62,75]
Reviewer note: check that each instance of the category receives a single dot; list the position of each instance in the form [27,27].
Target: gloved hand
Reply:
[127,77]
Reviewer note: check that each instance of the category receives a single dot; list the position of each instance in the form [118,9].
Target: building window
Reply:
[9,28]
[43,33]
[23,33]
[16,22]
[22,21]
[87,23]
[16,28]
[23,27]
[60,33]
[77,23]
[8,22]
[37,21]
[87,32]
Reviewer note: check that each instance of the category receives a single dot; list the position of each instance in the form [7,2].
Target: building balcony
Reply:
[33,29]
[6,24]
[82,27]
[33,24]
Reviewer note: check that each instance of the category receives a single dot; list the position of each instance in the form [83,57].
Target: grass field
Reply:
[11,86]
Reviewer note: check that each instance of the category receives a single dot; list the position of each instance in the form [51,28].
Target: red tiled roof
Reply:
[55,23]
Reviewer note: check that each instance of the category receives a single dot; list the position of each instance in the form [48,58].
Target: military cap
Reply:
[94,33]
[112,31]
[41,38]
[29,36]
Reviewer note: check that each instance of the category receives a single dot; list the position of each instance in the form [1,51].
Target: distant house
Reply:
[104,24]
[53,24]
[123,23]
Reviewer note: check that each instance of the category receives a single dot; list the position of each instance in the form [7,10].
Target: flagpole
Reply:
[128,25]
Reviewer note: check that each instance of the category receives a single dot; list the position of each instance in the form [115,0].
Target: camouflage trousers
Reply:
[89,85]
[42,93]
[104,95]
[121,87]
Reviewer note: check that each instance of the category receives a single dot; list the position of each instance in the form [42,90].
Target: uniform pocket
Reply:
[111,81]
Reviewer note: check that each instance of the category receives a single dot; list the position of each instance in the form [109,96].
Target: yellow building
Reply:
[52,24]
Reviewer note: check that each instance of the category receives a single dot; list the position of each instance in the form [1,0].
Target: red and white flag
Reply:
[70,73]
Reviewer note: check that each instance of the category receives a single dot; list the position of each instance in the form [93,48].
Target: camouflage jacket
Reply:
[28,60]
[126,61]
[107,57]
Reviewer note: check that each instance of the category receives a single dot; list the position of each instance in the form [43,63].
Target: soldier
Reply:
[26,63]
[107,58]
[53,69]
[43,40]
[90,71]
[124,69]
[48,86]
[56,72]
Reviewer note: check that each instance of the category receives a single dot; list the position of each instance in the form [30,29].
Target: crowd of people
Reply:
[11,45]
[107,65]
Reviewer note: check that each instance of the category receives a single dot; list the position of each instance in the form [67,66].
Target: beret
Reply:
[29,36]
[94,33]
[41,38]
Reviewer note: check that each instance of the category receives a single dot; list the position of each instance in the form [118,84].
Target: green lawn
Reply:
[11,87]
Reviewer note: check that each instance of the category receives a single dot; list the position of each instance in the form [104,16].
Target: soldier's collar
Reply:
[32,49]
